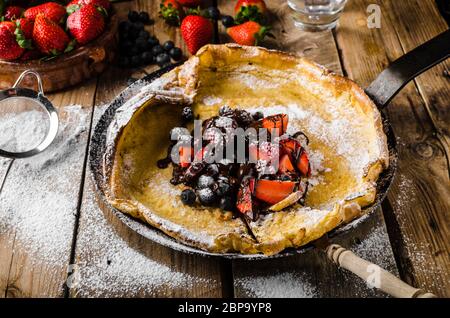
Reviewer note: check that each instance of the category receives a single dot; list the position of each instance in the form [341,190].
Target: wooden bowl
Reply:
[68,69]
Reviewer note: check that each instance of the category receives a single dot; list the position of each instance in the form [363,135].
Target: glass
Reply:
[316,15]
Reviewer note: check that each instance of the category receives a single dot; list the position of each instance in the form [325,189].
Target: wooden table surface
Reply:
[96,255]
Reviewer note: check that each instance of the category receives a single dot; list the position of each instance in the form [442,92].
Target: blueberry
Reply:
[212,170]
[124,61]
[144,17]
[162,59]
[147,57]
[258,116]
[206,196]
[223,187]
[205,182]
[133,16]
[176,54]
[285,178]
[226,204]
[188,197]
[142,44]
[133,33]
[124,26]
[213,13]
[168,45]
[136,60]
[157,50]
[139,26]
[134,50]
[227,21]
[126,45]
[187,114]
[144,34]
[153,41]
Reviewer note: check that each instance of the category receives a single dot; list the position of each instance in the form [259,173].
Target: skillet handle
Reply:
[407,67]
[373,274]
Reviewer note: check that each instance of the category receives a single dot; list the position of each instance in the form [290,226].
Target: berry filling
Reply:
[236,167]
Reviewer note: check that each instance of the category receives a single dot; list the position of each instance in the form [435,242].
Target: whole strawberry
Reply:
[12,13]
[86,24]
[248,33]
[171,11]
[250,10]
[9,48]
[48,36]
[24,32]
[190,3]
[75,5]
[196,31]
[26,26]
[50,10]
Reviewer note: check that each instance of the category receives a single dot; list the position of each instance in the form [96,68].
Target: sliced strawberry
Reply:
[244,198]
[291,147]
[285,164]
[186,153]
[264,151]
[303,164]
[273,191]
[277,123]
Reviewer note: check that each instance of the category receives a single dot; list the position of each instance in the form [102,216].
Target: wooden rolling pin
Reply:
[373,274]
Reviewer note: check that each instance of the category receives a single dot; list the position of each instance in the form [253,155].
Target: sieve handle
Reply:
[36,75]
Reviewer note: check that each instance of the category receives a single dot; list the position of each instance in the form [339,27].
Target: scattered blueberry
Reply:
[188,197]
[133,16]
[136,60]
[143,35]
[144,17]
[124,61]
[206,196]
[153,41]
[139,26]
[227,21]
[162,59]
[142,44]
[213,13]
[168,45]
[176,54]
[226,204]
[205,181]
[157,49]
[147,57]
[124,26]
[187,114]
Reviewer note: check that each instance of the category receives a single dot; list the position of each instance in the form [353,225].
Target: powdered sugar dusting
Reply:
[279,285]
[211,100]
[38,202]
[111,267]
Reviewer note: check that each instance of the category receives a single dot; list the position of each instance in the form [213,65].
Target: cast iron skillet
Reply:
[382,90]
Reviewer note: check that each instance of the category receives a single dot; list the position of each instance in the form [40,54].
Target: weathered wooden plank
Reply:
[111,259]
[38,204]
[310,274]
[420,195]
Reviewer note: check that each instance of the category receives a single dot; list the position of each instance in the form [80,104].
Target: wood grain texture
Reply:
[162,271]
[420,195]
[310,274]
